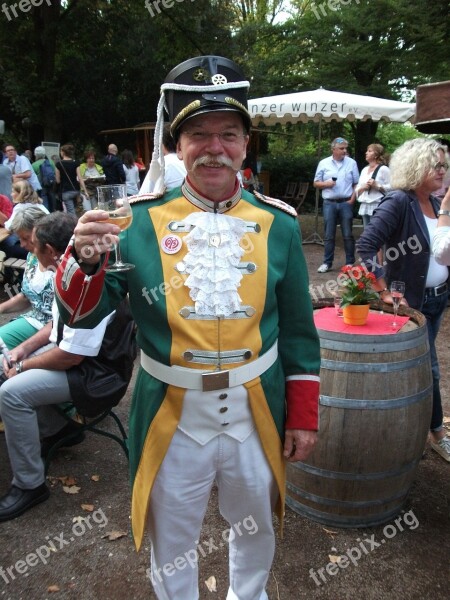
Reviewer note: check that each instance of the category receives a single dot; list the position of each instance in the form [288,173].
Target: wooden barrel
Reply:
[375,411]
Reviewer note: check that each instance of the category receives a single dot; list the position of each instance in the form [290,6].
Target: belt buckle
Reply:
[215,380]
[440,289]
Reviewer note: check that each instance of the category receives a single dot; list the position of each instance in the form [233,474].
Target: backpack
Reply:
[47,173]
[100,382]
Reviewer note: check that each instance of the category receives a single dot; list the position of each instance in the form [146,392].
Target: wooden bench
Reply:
[16,265]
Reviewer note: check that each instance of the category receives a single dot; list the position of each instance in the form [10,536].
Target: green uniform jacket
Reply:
[275,306]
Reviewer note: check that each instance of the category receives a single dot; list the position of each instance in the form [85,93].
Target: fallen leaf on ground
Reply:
[52,589]
[95,477]
[88,507]
[72,489]
[211,584]
[334,558]
[332,533]
[67,480]
[114,535]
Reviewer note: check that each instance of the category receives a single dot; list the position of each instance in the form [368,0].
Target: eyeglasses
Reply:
[438,166]
[226,138]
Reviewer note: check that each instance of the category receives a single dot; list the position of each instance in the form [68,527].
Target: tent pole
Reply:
[315,238]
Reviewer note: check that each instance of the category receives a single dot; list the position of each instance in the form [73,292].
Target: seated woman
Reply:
[23,196]
[37,292]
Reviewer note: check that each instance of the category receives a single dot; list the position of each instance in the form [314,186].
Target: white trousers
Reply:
[247,495]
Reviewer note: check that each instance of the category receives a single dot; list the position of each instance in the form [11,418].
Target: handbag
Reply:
[100,382]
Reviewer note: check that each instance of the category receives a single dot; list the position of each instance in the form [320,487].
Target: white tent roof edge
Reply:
[327,105]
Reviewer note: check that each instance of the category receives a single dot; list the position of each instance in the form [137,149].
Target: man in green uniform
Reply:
[229,380]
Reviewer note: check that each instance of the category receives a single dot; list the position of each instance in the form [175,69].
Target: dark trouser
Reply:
[433,309]
[12,248]
[334,213]
[48,198]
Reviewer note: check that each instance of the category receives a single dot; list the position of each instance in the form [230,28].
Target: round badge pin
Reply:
[171,244]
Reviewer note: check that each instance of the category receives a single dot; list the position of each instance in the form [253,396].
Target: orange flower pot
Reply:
[356,314]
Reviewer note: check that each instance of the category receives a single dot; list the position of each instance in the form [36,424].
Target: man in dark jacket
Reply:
[113,167]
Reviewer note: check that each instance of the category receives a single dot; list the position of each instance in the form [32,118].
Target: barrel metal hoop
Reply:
[381,404]
[352,367]
[340,520]
[355,476]
[371,344]
[345,503]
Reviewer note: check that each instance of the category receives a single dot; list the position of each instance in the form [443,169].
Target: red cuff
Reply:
[302,399]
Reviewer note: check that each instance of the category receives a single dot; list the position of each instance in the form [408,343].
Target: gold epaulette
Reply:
[144,198]
[287,208]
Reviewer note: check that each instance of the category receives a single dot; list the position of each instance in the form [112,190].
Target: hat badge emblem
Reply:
[201,74]
[219,79]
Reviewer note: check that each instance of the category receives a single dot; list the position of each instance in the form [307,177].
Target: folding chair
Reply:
[289,194]
[84,424]
[300,196]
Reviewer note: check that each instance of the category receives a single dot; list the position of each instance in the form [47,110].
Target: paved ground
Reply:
[51,548]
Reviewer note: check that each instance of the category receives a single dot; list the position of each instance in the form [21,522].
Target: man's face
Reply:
[44,254]
[340,151]
[10,153]
[212,161]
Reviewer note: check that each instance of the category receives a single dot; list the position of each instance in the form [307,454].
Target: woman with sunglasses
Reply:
[405,222]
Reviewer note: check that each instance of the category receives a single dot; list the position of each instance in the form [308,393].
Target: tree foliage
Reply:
[75,67]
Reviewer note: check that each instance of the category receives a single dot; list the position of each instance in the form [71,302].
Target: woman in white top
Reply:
[441,236]
[131,173]
[374,182]
[23,196]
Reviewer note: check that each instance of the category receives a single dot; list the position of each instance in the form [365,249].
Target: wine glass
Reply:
[337,306]
[397,290]
[113,199]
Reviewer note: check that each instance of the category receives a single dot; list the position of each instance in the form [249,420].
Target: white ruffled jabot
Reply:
[212,262]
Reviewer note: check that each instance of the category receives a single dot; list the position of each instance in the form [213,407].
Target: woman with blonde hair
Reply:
[405,222]
[23,196]
[374,182]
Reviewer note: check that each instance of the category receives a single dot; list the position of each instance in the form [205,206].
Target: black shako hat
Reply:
[205,84]
[198,85]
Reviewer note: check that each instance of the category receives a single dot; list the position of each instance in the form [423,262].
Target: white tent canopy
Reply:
[321,104]
[324,105]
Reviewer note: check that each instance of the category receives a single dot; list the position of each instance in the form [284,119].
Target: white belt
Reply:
[194,379]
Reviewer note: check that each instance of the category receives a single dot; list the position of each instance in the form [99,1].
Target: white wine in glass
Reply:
[113,199]
[397,289]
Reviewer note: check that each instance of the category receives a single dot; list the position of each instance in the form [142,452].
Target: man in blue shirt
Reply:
[20,167]
[337,176]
